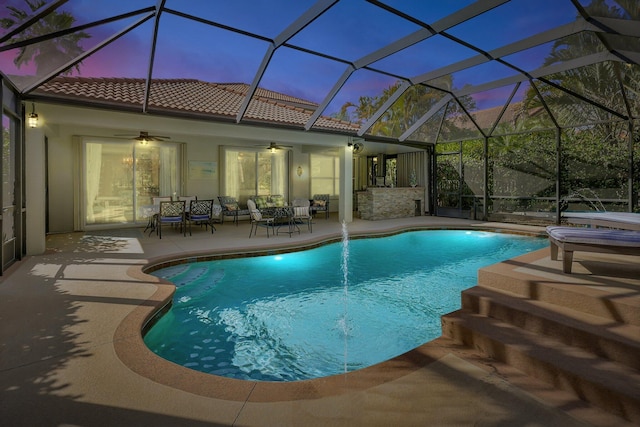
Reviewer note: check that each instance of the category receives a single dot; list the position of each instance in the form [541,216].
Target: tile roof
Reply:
[190,96]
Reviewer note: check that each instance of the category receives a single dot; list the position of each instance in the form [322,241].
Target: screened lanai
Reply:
[526,108]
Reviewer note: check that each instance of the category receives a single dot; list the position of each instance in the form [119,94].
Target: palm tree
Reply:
[597,82]
[409,107]
[593,156]
[51,53]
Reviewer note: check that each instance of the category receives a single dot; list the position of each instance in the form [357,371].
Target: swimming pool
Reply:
[323,311]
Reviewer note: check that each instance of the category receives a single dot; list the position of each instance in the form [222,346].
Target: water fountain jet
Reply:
[344,266]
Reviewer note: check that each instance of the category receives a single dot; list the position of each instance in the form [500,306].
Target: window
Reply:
[325,174]
[251,172]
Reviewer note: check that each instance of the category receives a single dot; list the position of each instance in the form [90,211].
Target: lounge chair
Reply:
[624,220]
[600,240]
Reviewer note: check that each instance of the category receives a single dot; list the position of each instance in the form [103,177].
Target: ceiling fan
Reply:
[144,137]
[273,147]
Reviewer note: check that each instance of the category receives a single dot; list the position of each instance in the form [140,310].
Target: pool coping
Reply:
[130,348]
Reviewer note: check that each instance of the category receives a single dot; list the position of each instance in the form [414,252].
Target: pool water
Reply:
[322,311]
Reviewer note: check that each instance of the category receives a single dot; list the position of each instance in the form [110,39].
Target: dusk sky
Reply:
[349,30]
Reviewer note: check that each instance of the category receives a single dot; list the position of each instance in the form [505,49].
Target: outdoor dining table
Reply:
[283,217]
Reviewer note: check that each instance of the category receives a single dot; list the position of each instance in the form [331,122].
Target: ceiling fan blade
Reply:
[143,136]
[279,146]
[273,146]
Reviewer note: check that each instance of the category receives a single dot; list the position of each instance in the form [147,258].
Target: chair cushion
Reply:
[319,203]
[231,206]
[201,217]
[301,211]
[261,202]
[256,214]
[277,200]
[170,219]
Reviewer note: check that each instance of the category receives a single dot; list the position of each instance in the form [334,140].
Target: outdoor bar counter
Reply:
[376,203]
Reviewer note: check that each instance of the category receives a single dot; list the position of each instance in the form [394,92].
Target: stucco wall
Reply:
[62,125]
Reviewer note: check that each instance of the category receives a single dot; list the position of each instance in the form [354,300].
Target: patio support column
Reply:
[35,191]
[485,179]
[345,204]
[631,172]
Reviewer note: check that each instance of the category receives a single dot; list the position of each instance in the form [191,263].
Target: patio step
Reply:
[610,385]
[619,306]
[579,333]
[616,341]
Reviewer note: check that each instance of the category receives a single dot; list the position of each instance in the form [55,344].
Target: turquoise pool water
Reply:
[325,311]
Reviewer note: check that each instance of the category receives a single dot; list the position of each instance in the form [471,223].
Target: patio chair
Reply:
[171,213]
[320,204]
[200,212]
[151,212]
[257,220]
[301,212]
[230,207]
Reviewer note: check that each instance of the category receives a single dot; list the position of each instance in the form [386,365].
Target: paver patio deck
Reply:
[71,351]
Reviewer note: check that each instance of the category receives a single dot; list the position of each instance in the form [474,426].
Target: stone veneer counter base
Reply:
[377,203]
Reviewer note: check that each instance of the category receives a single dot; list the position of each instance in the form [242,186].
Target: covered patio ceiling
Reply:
[395,71]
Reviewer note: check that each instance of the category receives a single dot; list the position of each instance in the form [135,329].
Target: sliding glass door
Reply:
[121,177]
[10,209]
[251,172]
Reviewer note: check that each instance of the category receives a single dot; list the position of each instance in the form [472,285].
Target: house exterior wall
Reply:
[66,125]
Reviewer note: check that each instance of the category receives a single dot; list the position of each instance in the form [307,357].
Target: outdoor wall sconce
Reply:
[299,171]
[32,120]
[356,147]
